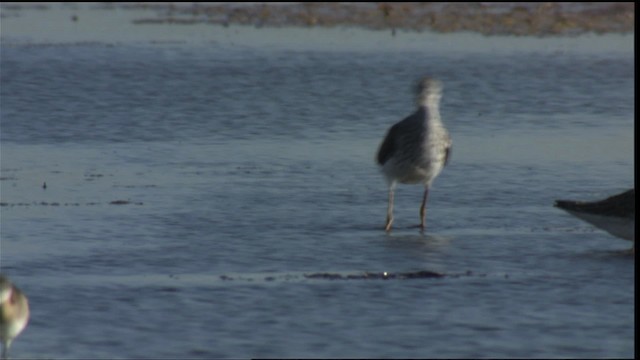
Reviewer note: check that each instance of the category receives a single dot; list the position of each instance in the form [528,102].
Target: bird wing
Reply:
[388,146]
[447,150]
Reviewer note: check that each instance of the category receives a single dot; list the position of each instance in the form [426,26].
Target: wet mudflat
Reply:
[218,197]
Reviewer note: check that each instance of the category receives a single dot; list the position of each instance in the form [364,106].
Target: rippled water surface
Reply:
[191,186]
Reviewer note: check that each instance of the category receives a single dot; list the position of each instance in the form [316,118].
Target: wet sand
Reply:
[192,169]
[522,19]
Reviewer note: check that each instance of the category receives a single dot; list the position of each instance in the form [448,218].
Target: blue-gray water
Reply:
[245,167]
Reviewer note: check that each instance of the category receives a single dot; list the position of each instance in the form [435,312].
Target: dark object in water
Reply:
[423,274]
[124,202]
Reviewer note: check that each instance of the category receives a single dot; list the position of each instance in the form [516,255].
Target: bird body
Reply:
[14,313]
[416,149]
[615,214]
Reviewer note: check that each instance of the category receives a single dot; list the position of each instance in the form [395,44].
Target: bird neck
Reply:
[431,109]
[429,99]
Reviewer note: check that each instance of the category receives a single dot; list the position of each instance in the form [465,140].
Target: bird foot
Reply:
[387,227]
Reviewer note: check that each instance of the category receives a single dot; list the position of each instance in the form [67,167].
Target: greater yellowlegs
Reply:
[417,148]
[14,313]
[615,214]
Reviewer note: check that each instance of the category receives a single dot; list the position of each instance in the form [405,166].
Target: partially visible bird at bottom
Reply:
[615,214]
[416,149]
[14,313]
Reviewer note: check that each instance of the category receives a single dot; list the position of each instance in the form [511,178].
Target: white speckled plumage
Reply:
[416,149]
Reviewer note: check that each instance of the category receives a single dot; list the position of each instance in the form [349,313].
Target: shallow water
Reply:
[190,186]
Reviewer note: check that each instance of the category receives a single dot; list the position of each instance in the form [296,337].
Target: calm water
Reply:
[245,167]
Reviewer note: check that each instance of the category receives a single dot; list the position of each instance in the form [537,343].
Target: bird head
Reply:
[428,91]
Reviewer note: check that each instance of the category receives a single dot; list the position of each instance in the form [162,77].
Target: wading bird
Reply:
[615,215]
[415,150]
[14,313]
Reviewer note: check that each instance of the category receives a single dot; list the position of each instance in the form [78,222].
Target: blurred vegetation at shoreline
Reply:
[510,18]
